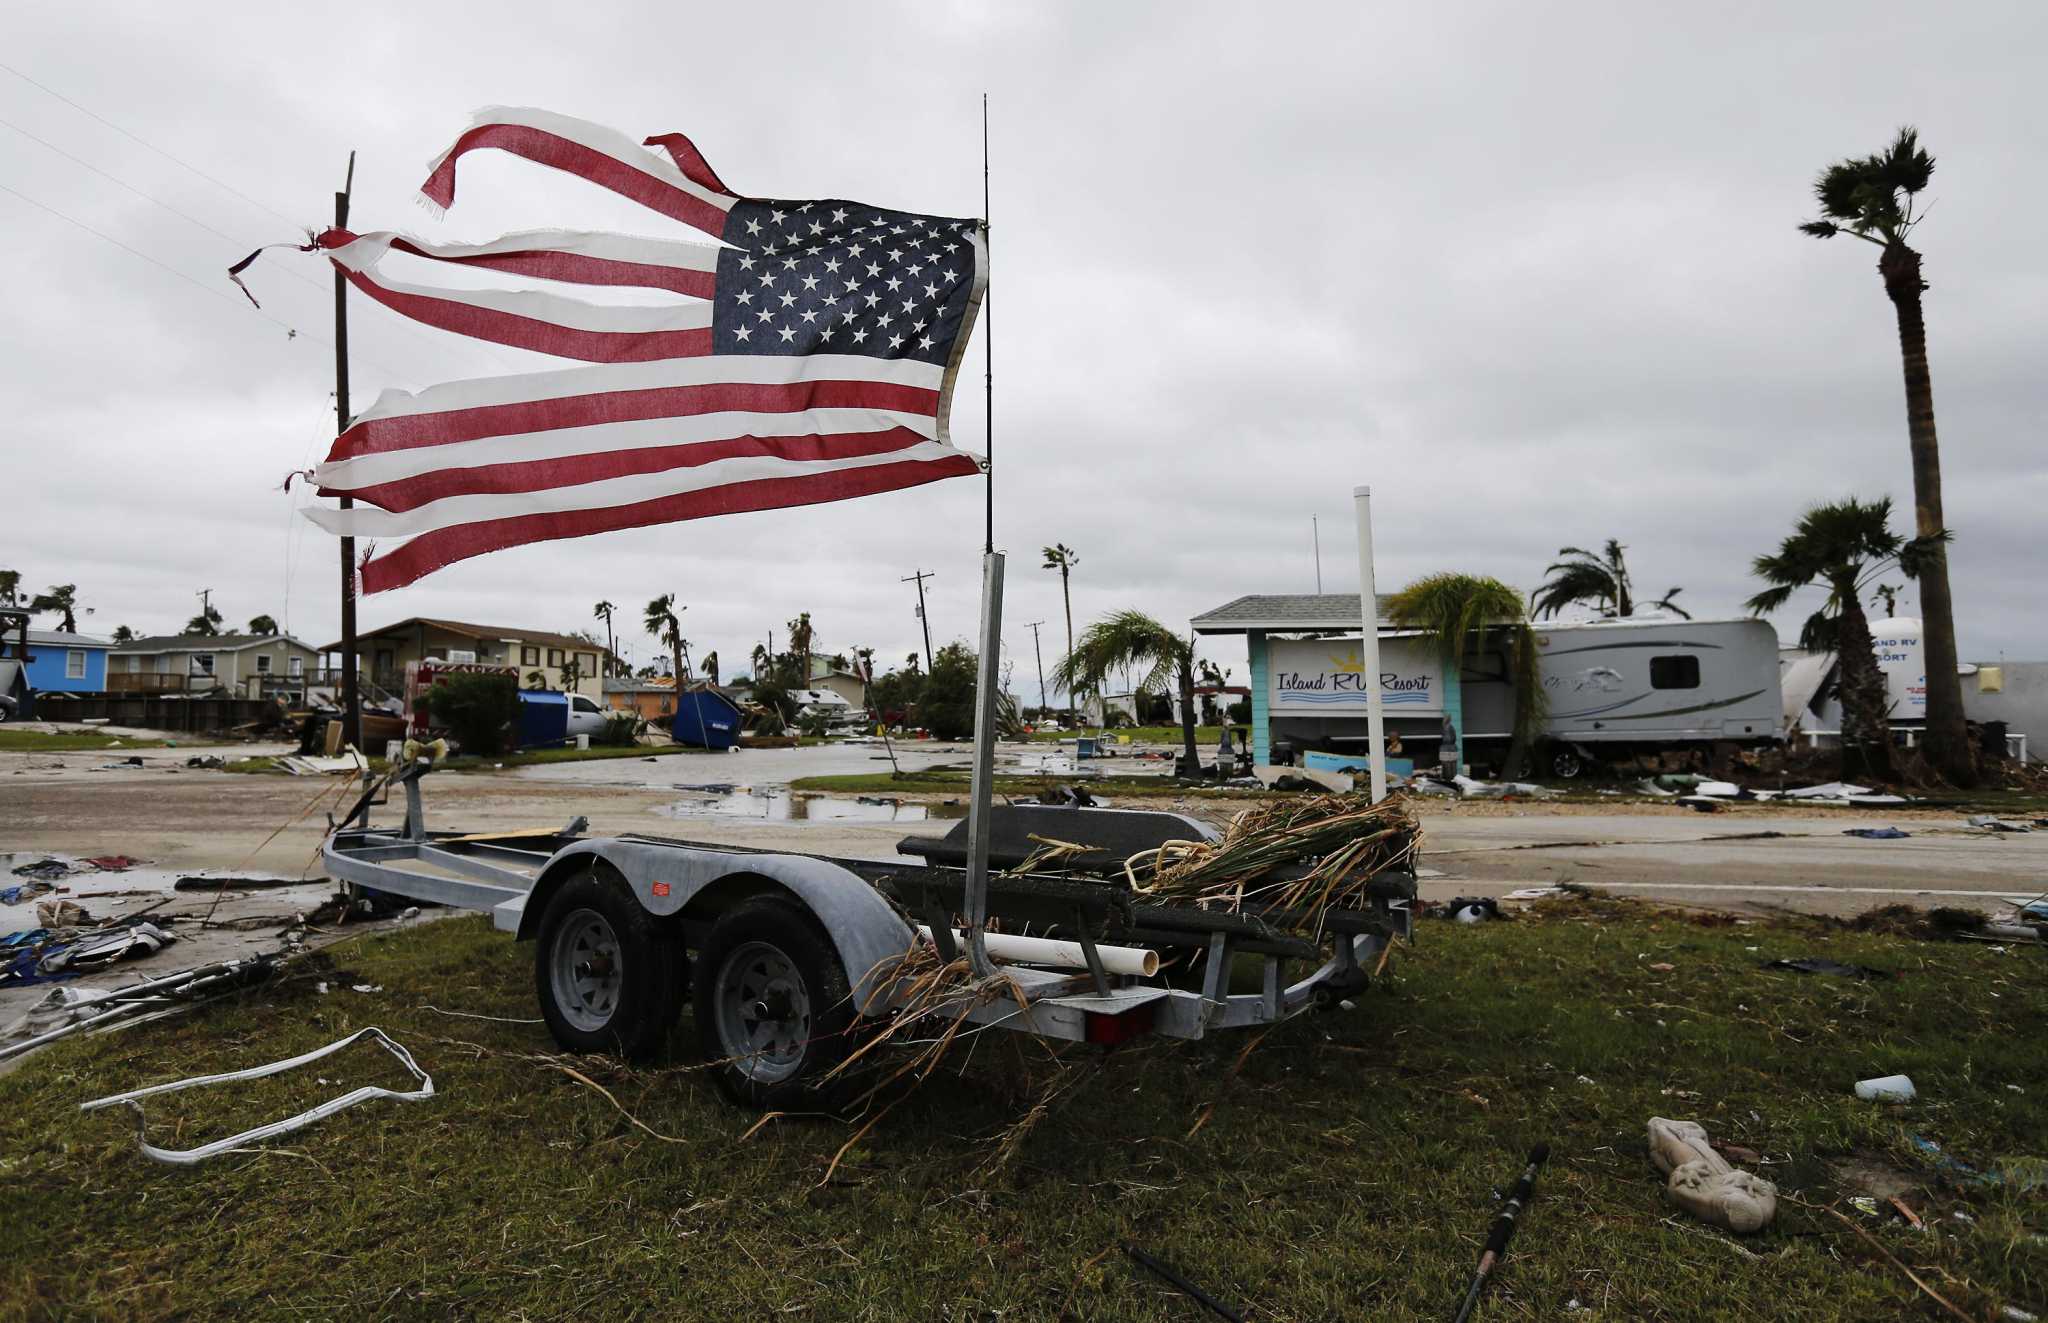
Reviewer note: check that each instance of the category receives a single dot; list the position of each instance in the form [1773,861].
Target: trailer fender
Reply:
[863,927]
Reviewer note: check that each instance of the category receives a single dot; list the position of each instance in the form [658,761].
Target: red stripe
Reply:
[507,328]
[443,547]
[549,149]
[553,264]
[689,160]
[378,436]
[570,470]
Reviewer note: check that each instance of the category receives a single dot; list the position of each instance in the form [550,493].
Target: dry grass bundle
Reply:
[1346,840]
[932,997]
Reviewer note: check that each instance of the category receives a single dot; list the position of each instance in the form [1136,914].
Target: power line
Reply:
[146,143]
[76,160]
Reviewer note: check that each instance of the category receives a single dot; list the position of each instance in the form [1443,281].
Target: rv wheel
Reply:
[1566,763]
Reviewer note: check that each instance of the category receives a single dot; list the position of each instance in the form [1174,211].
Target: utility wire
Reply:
[146,143]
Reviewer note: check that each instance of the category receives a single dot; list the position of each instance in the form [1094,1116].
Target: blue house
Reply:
[66,663]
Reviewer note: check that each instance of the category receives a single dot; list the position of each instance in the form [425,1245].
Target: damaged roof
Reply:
[204,643]
[493,633]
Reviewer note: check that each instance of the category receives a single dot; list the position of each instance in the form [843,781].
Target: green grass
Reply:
[940,781]
[67,741]
[1348,1170]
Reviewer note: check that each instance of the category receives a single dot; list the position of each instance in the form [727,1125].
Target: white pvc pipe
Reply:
[1008,949]
[1369,646]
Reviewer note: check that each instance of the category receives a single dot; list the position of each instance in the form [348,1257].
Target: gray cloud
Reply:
[1531,275]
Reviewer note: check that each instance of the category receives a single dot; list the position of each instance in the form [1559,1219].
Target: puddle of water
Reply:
[781,806]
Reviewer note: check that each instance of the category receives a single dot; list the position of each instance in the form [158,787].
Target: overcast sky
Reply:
[1530,272]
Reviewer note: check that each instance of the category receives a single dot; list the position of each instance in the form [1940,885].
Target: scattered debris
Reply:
[46,870]
[1886,1088]
[120,764]
[62,914]
[66,1010]
[307,765]
[198,883]
[1703,1183]
[1991,822]
[209,760]
[1877,833]
[187,1157]
[1822,965]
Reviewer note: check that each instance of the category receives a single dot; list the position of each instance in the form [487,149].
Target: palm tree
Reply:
[10,587]
[1059,556]
[263,626]
[603,611]
[207,622]
[1842,547]
[1872,199]
[1600,581]
[1132,638]
[800,645]
[662,622]
[1888,593]
[572,674]
[709,661]
[62,598]
[762,660]
[123,634]
[1453,609]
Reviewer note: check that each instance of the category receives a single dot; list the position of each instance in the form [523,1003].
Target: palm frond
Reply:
[1905,166]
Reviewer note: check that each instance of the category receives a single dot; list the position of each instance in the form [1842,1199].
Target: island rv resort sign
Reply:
[1326,677]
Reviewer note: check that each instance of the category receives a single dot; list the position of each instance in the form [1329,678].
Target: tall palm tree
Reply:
[1453,609]
[1132,638]
[800,637]
[1842,547]
[762,659]
[1872,199]
[709,661]
[10,587]
[662,621]
[265,626]
[123,634]
[1600,581]
[61,598]
[1059,556]
[207,622]
[603,611]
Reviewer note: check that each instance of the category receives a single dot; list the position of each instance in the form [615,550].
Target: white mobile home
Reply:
[1612,687]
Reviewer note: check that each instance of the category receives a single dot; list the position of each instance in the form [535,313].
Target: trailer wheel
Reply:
[772,1003]
[1566,763]
[609,979]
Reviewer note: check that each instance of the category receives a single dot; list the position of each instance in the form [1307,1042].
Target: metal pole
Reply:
[1369,646]
[983,786]
[988,349]
[351,698]
[1316,528]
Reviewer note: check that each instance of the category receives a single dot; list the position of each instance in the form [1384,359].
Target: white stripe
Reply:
[364,521]
[636,434]
[708,370]
[554,309]
[582,243]
[598,138]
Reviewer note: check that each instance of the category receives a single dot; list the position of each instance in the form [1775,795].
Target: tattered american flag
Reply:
[810,356]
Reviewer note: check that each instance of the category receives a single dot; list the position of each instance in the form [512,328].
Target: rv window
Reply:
[1675,672]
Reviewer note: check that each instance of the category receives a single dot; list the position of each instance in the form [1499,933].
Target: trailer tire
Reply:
[1566,763]
[772,1003]
[609,979]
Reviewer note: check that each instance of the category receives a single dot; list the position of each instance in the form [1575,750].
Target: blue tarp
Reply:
[705,719]
[543,718]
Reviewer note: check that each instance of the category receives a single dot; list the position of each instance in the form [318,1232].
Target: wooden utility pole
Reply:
[351,698]
[1041,665]
[922,618]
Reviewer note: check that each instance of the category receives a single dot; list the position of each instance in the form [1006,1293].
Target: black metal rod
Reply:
[1172,1277]
[351,698]
[988,342]
[1504,1229]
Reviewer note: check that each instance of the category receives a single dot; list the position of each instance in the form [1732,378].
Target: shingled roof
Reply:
[1284,613]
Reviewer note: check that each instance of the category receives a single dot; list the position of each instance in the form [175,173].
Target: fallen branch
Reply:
[582,1078]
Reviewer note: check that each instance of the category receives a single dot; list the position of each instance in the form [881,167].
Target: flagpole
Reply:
[981,796]
[988,347]
[351,696]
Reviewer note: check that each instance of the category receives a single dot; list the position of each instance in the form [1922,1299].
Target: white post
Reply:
[982,790]
[1369,645]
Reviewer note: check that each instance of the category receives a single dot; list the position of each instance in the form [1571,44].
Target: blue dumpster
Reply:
[706,719]
[543,718]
